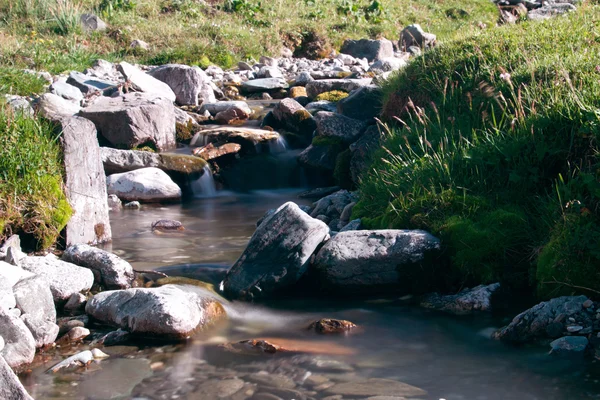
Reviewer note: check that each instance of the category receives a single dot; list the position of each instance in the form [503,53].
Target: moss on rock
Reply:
[333,96]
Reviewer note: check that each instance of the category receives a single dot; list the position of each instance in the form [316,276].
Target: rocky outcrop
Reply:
[110,271]
[143,82]
[363,104]
[35,301]
[10,386]
[551,319]
[168,312]
[64,278]
[134,119]
[277,255]
[372,50]
[337,126]
[467,301]
[85,183]
[190,84]
[19,344]
[399,261]
[150,185]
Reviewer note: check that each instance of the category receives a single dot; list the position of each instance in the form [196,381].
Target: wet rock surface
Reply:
[467,301]
[146,185]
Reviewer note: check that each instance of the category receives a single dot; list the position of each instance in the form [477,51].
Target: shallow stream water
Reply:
[450,357]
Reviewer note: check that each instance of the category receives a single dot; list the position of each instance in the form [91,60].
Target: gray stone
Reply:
[378,261]
[303,78]
[12,273]
[134,119]
[52,106]
[414,35]
[215,108]
[467,301]
[1,343]
[271,380]
[64,278]
[144,82]
[315,88]
[190,84]
[320,157]
[277,255]
[569,345]
[20,105]
[7,298]
[67,91]
[388,64]
[118,161]
[220,389]
[92,23]
[548,319]
[264,85]
[372,50]
[148,185]
[89,84]
[139,45]
[338,126]
[10,386]
[362,104]
[74,335]
[65,324]
[13,241]
[114,203]
[354,225]
[363,150]
[375,387]
[321,105]
[19,344]
[333,206]
[134,205]
[550,10]
[85,183]
[168,312]
[75,304]
[294,118]
[36,303]
[109,270]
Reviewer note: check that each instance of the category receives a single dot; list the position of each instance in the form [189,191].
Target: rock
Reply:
[13,274]
[134,119]
[19,344]
[92,23]
[64,278]
[191,85]
[13,242]
[20,105]
[90,84]
[303,78]
[220,389]
[320,157]
[270,72]
[326,326]
[569,345]
[354,225]
[298,91]
[76,334]
[372,50]
[134,205]
[264,85]
[75,304]
[548,319]
[167,225]
[333,206]
[76,360]
[215,108]
[248,138]
[66,91]
[277,255]
[271,380]
[149,185]
[109,270]
[10,386]
[363,150]
[294,118]
[338,126]
[52,106]
[414,35]
[363,104]
[118,161]
[85,183]
[114,203]
[319,193]
[388,64]
[231,116]
[65,324]
[139,45]
[321,105]
[315,88]
[36,303]
[378,261]
[550,10]
[375,387]
[115,338]
[467,301]
[210,152]
[143,82]
[167,312]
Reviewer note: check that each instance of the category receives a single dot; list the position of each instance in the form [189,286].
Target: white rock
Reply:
[146,185]
[143,82]
[109,270]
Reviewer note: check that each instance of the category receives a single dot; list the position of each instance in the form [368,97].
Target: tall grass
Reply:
[496,141]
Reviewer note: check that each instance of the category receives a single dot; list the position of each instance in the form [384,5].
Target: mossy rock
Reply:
[182,163]
[333,96]
[184,132]
[327,141]
[341,173]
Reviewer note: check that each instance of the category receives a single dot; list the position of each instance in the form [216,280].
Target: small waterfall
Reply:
[205,186]
[278,146]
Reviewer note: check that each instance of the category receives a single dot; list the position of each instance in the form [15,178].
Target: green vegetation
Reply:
[495,149]
[334,96]
[32,201]
[14,81]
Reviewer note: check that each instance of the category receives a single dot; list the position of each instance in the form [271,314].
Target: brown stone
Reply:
[277,345]
[231,116]
[211,152]
[327,325]
[298,91]
[376,387]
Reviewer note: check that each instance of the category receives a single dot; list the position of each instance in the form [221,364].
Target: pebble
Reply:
[574,328]
[588,303]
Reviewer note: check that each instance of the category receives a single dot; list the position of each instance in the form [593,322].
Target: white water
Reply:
[278,146]
[205,186]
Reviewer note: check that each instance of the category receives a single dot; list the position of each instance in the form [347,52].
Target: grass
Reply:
[492,144]
[32,200]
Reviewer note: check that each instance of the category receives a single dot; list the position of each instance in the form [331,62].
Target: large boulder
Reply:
[399,261]
[143,82]
[277,255]
[19,344]
[118,161]
[320,157]
[333,205]
[150,185]
[36,303]
[191,85]
[134,119]
[550,320]
[362,104]
[109,270]
[338,126]
[372,50]
[13,274]
[315,88]
[168,312]
[467,301]
[10,385]
[248,138]
[65,279]
[85,183]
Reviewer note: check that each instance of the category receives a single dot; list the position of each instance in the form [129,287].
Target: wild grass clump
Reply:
[495,149]
[14,81]
[32,201]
